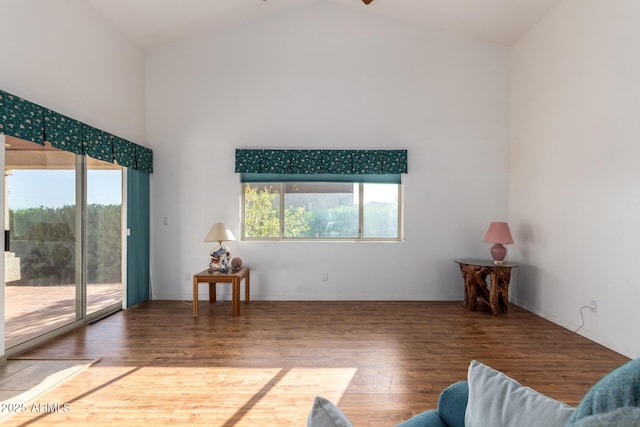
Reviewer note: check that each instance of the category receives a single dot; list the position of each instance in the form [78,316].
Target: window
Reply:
[321,210]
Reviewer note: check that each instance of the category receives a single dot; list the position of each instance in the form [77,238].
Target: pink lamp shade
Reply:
[499,234]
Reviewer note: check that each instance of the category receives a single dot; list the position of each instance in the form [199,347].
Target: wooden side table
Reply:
[233,278]
[474,272]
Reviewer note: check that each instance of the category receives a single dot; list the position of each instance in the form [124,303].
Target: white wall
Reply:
[65,56]
[325,76]
[574,175]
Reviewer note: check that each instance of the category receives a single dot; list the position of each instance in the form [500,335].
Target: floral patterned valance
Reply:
[64,133]
[144,159]
[335,162]
[124,153]
[29,121]
[21,118]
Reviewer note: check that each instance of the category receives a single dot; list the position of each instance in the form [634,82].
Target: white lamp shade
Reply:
[219,233]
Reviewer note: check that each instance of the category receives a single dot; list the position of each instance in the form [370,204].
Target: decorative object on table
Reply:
[236,263]
[499,234]
[220,256]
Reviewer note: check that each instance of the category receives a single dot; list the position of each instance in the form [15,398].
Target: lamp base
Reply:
[498,253]
[220,258]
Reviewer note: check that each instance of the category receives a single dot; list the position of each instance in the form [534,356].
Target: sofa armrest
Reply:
[452,403]
[424,419]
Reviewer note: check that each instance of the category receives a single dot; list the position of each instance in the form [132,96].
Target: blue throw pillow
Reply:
[627,416]
[617,389]
[325,414]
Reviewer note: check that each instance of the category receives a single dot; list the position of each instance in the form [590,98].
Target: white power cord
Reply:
[582,317]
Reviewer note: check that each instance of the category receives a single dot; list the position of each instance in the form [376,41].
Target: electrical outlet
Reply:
[324,277]
[594,306]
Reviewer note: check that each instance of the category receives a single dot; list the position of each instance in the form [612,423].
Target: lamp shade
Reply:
[499,232]
[219,233]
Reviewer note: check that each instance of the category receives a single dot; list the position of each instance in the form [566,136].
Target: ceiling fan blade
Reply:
[367,1]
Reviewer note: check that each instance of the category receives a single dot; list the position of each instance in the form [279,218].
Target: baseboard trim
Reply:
[584,331]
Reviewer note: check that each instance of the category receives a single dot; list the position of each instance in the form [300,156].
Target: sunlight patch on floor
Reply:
[225,396]
[24,380]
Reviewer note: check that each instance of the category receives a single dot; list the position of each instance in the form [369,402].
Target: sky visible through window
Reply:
[380,193]
[56,188]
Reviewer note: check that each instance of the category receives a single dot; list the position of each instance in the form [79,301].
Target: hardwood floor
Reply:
[381,362]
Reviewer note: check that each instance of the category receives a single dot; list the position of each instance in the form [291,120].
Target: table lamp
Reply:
[499,234]
[220,256]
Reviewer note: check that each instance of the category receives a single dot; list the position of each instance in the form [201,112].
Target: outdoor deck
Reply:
[31,311]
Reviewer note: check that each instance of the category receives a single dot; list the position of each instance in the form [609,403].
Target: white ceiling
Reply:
[152,23]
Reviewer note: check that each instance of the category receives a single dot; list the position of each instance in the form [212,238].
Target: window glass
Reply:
[262,210]
[104,235]
[321,210]
[42,262]
[380,211]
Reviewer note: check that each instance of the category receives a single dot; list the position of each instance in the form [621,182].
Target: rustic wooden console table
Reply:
[496,295]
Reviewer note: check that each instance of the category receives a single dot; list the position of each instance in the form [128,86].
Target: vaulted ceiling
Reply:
[152,23]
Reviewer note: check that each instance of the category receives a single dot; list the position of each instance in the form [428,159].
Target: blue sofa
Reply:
[452,405]
[612,401]
[489,398]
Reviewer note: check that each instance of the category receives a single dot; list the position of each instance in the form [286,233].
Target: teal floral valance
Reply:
[325,162]
[124,153]
[144,159]
[21,118]
[63,133]
[98,144]
[29,121]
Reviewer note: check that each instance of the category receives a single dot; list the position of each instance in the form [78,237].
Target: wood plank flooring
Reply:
[381,362]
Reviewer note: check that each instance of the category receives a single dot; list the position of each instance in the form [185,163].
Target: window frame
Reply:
[280,186]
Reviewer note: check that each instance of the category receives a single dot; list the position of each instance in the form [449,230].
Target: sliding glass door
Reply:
[104,237]
[62,240]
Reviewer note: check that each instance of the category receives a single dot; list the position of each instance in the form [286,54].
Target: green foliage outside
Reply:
[296,222]
[262,218]
[45,241]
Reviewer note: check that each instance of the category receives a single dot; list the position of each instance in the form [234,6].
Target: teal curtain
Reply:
[138,244]
[26,120]
[256,165]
